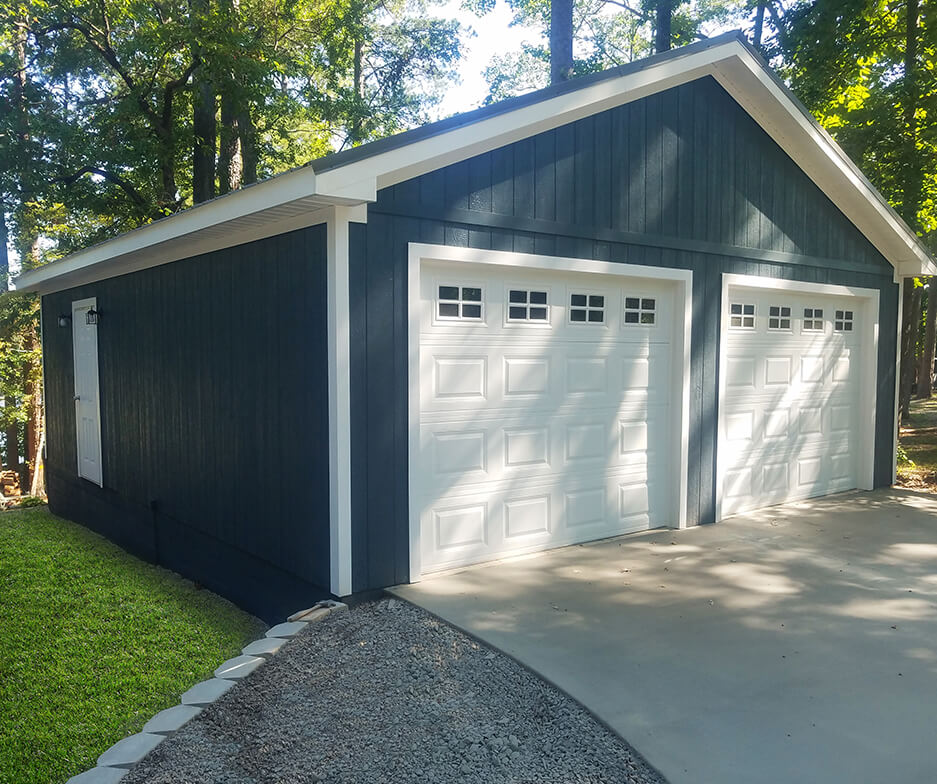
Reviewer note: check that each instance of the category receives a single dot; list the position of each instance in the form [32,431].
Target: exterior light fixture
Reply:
[91,317]
[64,320]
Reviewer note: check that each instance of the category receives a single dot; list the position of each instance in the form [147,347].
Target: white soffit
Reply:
[303,197]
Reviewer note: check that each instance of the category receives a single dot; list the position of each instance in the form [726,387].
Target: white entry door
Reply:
[546,410]
[795,415]
[87,403]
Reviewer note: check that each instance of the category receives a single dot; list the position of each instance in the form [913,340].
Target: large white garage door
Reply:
[791,421]
[544,410]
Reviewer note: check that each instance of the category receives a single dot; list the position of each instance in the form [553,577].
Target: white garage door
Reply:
[544,410]
[790,418]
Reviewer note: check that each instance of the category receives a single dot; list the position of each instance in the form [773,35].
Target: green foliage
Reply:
[93,642]
[20,356]
[845,59]
[903,459]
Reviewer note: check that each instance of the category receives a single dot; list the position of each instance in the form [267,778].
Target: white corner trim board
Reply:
[527,430]
[340,561]
[798,365]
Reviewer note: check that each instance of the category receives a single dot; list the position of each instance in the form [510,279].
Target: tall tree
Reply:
[926,370]
[663,21]
[561,40]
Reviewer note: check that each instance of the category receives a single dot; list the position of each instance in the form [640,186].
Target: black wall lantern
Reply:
[91,317]
[64,320]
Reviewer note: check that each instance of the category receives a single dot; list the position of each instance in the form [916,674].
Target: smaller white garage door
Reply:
[545,410]
[794,415]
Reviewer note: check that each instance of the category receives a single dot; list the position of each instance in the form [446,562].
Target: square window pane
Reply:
[785,311]
[517,296]
[749,310]
[785,323]
[839,314]
[632,303]
[774,310]
[472,295]
[817,313]
[647,304]
[647,318]
[838,326]
[577,315]
[471,311]
[577,299]
[448,292]
[774,323]
[538,314]
[596,301]
[596,316]
[631,317]
[517,313]
[848,326]
[448,310]
[538,297]
[849,315]
[736,321]
[808,313]
[748,321]
[736,309]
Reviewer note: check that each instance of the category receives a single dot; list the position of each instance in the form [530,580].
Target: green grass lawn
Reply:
[93,642]
[919,439]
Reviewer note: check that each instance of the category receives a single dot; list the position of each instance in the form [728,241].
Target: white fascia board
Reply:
[189,233]
[823,161]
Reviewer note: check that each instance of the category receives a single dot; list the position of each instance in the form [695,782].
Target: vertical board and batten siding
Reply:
[680,179]
[214,417]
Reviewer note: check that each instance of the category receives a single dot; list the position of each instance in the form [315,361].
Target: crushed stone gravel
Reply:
[387,693]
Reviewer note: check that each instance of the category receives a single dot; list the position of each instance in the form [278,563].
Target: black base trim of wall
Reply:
[250,582]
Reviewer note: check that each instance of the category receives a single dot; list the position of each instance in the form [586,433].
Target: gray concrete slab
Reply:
[794,644]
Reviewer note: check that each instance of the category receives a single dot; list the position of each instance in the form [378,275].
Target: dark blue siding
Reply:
[681,179]
[214,414]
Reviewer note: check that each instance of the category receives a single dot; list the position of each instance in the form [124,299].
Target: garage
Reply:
[797,391]
[550,404]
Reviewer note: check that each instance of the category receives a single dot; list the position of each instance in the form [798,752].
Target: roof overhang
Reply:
[304,196]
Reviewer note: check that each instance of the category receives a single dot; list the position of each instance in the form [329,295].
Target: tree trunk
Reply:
[4,251]
[204,131]
[913,173]
[759,26]
[662,33]
[911,317]
[13,444]
[248,146]
[561,41]
[229,149]
[204,128]
[34,410]
[924,385]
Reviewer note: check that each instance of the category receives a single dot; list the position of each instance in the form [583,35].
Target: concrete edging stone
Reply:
[117,761]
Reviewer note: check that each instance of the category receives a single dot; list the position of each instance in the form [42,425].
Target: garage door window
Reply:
[813,320]
[741,315]
[640,311]
[586,308]
[525,305]
[843,321]
[459,303]
[779,317]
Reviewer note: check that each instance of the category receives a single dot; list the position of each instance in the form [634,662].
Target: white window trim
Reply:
[640,296]
[79,306]
[727,308]
[790,318]
[421,253]
[523,323]
[606,308]
[868,307]
[460,319]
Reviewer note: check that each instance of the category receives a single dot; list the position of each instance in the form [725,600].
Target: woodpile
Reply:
[9,483]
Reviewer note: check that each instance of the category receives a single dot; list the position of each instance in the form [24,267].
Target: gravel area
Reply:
[386,693]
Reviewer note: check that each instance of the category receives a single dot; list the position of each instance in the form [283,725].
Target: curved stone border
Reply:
[117,761]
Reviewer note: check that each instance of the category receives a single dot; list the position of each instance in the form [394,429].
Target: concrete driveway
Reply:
[798,644]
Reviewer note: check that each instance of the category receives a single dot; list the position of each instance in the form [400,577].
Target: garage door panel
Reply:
[788,414]
[535,435]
